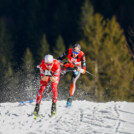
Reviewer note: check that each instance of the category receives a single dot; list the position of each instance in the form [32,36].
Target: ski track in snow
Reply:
[83,117]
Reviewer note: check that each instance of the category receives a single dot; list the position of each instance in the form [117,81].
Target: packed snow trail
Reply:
[83,117]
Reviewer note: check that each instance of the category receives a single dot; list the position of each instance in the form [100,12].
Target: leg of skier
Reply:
[54,96]
[39,95]
[74,78]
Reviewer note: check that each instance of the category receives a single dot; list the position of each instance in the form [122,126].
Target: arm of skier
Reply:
[83,65]
[63,56]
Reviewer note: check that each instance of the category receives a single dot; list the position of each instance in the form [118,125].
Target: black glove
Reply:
[47,73]
[75,68]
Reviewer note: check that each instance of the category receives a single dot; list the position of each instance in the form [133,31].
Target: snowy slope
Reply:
[82,118]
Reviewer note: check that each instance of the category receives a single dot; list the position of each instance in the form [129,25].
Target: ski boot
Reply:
[36,110]
[53,109]
[69,102]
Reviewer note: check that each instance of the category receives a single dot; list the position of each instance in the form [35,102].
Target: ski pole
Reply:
[91,74]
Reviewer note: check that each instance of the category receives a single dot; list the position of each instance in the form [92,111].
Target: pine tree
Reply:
[118,55]
[86,13]
[6,57]
[27,80]
[45,47]
[109,57]
[6,50]
[28,65]
[59,48]
[27,68]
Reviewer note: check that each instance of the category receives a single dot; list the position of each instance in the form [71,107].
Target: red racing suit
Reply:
[79,61]
[55,73]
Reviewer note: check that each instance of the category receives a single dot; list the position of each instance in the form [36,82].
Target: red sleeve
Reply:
[57,69]
[83,62]
[42,68]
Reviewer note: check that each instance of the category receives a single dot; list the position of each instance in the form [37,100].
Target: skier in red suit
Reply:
[76,62]
[49,71]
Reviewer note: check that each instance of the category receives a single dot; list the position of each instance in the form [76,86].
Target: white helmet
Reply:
[48,58]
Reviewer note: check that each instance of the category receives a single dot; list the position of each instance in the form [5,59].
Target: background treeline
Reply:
[30,29]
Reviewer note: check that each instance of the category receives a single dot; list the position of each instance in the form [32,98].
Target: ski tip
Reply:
[51,115]
[35,117]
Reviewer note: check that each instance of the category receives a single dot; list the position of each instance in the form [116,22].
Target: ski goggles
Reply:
[49,64]
[75,52]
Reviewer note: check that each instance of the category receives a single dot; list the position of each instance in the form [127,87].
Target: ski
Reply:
[51,115]
[38,115]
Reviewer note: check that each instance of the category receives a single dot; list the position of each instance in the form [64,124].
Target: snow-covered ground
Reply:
[83,117]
